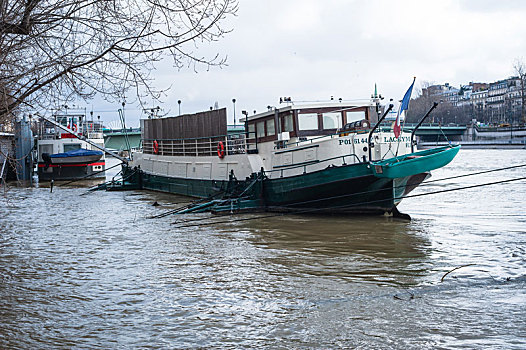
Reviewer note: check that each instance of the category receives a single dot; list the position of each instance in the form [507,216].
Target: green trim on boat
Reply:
[414,163]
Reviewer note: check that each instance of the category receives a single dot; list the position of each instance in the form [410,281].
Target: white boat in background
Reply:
[61,155]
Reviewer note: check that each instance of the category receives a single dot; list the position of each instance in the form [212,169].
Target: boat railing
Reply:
[341,160]
[202,146]
[308,140]
[251,142]
[89,129]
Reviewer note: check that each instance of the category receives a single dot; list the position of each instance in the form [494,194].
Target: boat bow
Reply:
[414,163]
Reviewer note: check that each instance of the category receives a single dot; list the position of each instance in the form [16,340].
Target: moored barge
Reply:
[322,157]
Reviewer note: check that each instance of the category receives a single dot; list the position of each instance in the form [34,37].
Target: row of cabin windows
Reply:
[306,121]
[268,127]
[330,120]
[309,121]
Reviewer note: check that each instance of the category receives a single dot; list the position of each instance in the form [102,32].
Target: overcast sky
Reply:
[314,49]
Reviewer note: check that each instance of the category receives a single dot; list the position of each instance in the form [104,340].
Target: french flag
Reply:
[397,128]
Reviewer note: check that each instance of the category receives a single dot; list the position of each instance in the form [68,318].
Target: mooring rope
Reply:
[184,207]
[89,175]
[199,201]
[476,173]
[109,182]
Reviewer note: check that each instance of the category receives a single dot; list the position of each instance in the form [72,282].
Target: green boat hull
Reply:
[375,187]
[349,188]
[345,189]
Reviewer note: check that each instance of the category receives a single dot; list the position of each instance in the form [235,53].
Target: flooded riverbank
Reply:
[93,272]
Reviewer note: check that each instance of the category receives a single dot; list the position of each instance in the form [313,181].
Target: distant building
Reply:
[435,90]
[478,103]
[513,99]
[446,92]
[499,102]
[464,95]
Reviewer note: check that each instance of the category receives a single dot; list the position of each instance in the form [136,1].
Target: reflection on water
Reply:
[92,272]
[379,249]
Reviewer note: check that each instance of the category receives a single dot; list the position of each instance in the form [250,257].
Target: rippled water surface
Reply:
[93,272]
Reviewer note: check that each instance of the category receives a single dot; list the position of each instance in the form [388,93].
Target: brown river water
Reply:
[93,272]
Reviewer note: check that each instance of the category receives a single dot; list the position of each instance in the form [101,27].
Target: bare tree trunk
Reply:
[520,69]
[523,101]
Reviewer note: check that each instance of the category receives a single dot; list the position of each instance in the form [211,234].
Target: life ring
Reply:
[74,128]
[155,147]
[221,150]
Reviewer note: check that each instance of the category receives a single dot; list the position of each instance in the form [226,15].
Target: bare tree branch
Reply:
[61,49]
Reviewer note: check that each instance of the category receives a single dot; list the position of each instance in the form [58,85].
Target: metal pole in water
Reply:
[23,148]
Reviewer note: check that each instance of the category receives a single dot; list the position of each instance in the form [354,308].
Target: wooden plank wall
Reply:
[203,124]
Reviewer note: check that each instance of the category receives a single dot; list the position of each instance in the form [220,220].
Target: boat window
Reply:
[260,129]
[71,147]
[251,130]
[308,121]
[355,116]
[288,123]
[46,149]
[332,120]
[271,130]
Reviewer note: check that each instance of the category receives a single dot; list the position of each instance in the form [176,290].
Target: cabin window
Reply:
[332,120]
[308,121]
[288,124]
[355,116]
[71,147]
[251,131]
[271,130]
[260,129]
[46,149]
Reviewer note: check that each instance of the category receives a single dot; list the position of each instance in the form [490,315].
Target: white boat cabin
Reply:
[53,140]
[285,141]
[296,123]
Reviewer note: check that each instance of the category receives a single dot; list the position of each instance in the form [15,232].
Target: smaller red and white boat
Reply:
[70,155]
